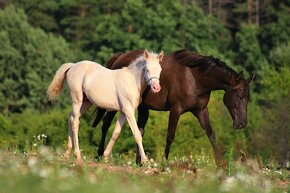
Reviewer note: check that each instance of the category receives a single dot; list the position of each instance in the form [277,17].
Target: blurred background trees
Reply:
[36,37]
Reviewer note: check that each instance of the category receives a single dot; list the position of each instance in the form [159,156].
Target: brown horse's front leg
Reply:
[203,118]
[143,114]
[107,121]
[172,124]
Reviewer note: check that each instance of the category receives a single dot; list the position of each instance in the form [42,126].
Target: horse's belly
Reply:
[102,95]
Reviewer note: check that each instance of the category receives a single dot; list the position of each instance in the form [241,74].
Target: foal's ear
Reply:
[146,54]
[160,56]
[251,78]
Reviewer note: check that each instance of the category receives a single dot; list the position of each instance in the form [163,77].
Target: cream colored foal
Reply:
[117,90]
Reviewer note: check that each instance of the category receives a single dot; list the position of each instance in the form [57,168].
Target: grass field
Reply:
[44,170]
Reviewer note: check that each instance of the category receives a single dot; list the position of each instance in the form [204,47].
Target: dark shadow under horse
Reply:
[187,80]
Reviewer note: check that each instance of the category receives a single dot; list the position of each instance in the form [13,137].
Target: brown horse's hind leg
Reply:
[143,114]
[203,118]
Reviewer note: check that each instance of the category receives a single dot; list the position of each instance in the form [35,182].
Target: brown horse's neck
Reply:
[219,78]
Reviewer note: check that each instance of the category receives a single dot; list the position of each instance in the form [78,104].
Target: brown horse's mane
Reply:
[206,63]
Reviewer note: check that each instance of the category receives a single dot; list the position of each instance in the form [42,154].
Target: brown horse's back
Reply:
[123,59]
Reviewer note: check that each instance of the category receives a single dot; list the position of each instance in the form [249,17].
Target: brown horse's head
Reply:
[236,99]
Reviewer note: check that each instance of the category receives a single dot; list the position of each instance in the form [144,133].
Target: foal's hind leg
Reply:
[120,122]
[78,109]
[70,138]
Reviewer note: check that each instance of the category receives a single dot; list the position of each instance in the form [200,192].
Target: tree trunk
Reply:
[210,6]
[79,33]
[250,8]
[257,13]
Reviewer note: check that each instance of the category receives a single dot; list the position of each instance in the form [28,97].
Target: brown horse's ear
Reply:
[160,56]
[239,77]
[241,74]
[146,54]
[251,78]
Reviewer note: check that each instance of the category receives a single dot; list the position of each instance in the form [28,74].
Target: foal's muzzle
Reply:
[153,82]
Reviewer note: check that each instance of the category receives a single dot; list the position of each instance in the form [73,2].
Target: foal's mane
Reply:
[140,61]
[206,63]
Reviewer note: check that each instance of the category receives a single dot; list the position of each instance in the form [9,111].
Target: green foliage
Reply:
[249,53]
[28,60]
[279,56]
[40,14]
[276,84]
[270,135]
[275,33]
[167,25]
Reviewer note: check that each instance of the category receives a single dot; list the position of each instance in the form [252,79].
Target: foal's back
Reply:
[94,82]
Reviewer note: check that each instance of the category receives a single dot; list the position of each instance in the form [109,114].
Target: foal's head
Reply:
[152,69]
[236,99]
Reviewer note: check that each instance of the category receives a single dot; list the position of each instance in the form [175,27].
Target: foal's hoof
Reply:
[145,162]
[106,159]
[65,156]
[79,162]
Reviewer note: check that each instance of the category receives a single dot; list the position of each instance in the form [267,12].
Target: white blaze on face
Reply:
[153,70]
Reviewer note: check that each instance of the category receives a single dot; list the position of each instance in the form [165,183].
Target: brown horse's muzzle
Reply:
[240,125]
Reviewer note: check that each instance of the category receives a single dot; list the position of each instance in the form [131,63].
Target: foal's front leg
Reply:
[143,114]
[120,122]
[137,134]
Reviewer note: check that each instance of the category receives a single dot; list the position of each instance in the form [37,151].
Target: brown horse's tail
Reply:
[101,112]
[57,82]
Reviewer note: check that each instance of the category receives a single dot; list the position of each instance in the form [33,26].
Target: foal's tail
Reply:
[57,82]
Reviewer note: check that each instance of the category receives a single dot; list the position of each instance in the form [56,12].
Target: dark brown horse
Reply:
[187,80]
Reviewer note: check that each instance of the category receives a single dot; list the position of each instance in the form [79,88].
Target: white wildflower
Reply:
[279,172]
[43,135]
[44,172]
[46,153]
[189,171]
[228,184]
[32,162]
[167,170]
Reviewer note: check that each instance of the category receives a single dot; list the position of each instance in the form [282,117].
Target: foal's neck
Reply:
[136,69]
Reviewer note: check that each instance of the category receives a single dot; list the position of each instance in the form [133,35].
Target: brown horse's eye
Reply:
[239,97]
